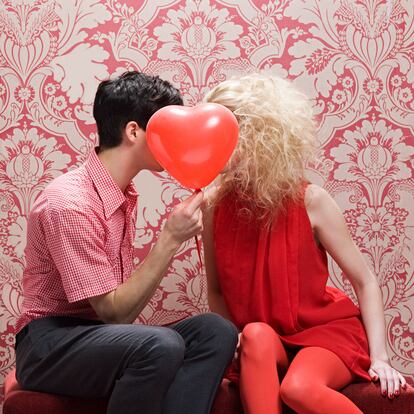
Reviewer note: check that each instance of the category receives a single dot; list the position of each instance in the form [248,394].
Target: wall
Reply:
[353,58]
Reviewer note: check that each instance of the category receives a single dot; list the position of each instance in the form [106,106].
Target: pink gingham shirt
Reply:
[79,243]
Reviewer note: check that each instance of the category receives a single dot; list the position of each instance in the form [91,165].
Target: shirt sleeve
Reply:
[76,241]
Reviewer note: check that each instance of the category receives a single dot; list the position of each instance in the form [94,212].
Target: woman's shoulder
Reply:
[314,196]
[210,194]
[210,198]
[320,205]
[209,203]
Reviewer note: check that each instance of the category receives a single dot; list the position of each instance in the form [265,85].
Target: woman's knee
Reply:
[254,330]
[258,339]
[295,390]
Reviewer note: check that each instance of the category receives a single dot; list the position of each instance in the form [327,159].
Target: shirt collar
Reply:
[108,190]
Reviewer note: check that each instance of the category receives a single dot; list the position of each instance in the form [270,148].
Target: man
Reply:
[81,295]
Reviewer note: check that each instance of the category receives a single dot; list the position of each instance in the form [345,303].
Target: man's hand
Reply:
[124,304]
[186,220]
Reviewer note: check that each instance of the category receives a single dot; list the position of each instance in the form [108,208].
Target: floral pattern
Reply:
[354,59]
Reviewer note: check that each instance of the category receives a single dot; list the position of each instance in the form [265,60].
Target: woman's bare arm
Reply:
[330,229]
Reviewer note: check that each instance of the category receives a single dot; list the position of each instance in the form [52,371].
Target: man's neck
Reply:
[120,164]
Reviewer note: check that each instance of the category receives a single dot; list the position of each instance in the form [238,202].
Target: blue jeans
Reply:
[142,369]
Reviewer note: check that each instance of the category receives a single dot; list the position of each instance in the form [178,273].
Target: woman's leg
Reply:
[261,357]
[311,381]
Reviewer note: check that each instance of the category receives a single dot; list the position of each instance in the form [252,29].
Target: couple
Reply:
[265,232]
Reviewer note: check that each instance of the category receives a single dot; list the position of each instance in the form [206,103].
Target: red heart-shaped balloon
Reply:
[193,144]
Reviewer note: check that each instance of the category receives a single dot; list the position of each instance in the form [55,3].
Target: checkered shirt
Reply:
[79,243]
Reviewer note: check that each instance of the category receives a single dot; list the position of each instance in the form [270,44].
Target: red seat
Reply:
[17,401]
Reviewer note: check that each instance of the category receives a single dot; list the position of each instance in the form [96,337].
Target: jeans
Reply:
[142,369]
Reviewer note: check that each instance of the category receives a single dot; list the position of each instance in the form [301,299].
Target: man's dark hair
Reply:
[133,96]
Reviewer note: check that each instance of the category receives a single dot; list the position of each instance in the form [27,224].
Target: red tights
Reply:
[309,384]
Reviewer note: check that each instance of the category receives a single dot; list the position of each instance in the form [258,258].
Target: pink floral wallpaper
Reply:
[354,59]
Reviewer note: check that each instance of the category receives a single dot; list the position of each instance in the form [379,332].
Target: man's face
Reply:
[153,164]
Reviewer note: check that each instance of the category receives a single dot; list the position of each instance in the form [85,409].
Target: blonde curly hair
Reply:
[277,136]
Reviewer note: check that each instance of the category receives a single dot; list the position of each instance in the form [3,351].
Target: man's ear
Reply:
[133,132]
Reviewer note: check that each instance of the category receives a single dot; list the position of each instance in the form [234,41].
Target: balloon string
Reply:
[197,241]
[199,251]
[201,271]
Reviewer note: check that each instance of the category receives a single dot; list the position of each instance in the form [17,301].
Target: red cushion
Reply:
[227,399]
[368,398]
[17,401]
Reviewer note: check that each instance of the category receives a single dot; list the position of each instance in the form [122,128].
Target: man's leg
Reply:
[210,342]
[135,364]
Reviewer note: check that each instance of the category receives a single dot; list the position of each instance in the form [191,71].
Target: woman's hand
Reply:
[391,381]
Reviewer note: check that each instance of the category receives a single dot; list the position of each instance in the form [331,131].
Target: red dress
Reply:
[278,275]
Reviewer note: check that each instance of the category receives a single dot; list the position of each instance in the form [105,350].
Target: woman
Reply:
[266,235]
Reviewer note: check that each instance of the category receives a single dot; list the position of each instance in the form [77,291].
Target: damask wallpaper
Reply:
[354,59]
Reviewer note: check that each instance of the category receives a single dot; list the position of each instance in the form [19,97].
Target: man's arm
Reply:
[125,303]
